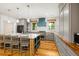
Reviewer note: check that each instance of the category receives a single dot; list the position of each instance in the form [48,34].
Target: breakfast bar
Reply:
[18,44]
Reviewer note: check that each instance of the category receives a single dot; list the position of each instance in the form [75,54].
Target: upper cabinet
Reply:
[64,21]
[69,20]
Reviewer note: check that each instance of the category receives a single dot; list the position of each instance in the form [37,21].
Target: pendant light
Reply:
[17,20]
[17,14]
[8,17]
[28,19]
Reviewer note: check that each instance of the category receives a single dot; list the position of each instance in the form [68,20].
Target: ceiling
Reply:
[36,10]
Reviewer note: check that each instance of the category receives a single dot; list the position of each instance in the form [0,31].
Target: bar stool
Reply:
[7,45]
[15,45]
[1,45]
[24,46]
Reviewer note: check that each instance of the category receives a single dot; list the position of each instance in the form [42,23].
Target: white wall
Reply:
[4,18]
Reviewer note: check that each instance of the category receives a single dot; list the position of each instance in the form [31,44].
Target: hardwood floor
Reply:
[47,48]
[13,53]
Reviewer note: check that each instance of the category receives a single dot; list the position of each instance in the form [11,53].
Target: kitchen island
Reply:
[12,39]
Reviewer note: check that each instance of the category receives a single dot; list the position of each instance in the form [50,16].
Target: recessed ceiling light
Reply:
[28,6]
[9,21]
[17,8]
[17,21]
[28,20]
[9,9]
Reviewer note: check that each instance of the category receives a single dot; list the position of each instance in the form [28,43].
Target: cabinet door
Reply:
[66,21]
[61,22]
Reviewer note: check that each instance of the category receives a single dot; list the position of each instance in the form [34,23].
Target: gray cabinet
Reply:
[25,24]
[63,49]
[68,20]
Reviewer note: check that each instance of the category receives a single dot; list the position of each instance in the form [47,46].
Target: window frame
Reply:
[35,25]
[50,26]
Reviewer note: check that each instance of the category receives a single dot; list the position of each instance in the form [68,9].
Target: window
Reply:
[33,26]
[51,26]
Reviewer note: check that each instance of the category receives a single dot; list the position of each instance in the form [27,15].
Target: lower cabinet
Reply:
[63,49]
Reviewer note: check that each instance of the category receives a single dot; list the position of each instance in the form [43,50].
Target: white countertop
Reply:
[29,35]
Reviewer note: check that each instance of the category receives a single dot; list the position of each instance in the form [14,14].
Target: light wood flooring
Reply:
[8,52]
[47,48]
